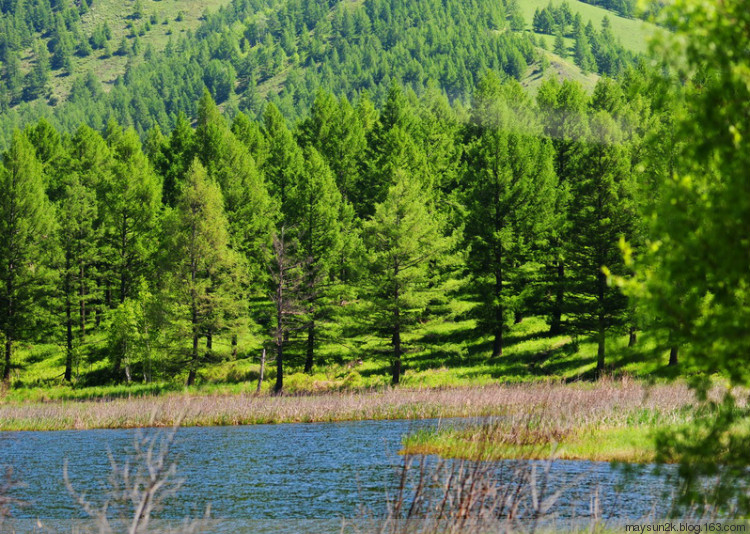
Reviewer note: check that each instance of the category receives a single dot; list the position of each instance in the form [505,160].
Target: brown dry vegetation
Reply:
[606,403]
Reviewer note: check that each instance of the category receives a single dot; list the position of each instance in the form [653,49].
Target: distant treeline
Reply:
[385,215]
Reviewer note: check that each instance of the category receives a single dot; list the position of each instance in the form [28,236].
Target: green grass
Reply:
[633,444]
[442,354]
[633,34]
[117,15]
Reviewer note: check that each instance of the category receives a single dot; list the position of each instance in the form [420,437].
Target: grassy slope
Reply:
[632,33]
[116,14]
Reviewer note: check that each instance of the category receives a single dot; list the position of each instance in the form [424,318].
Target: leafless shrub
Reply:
[137,489]
[8,485]
[451,496]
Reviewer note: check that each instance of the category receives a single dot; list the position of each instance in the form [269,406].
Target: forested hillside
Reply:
[359,234]
[61,60]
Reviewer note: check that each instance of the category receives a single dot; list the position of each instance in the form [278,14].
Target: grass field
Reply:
[117,15]
[442,354]
[632,33]
[609,421]
[603,403]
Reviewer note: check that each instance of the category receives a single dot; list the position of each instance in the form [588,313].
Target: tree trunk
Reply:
[310,347]
[497,345]
[279,334]
[262,371]
[8,354]
[602,282]
[673,355]
[68,340]
[396,338]
[68,323]
[555,328]
[82,301]
[633,337]
[193,360]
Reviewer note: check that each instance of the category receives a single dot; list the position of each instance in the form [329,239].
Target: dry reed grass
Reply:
[607,402]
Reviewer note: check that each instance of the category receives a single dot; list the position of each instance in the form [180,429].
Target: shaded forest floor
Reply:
[441,355]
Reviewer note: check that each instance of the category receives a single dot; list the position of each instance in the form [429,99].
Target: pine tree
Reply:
[79,242]
[205,273]
[603,213]
[315,206]
[403,236]
[250,209]
[562,108]
[559,48]
[582,53]
[26,239]
[284,163]
[510,197]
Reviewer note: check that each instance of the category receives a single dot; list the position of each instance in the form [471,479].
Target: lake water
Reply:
[277,477]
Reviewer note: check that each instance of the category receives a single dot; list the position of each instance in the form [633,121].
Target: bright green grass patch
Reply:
[632,33]
[442,354]
[634,444]
[117,15]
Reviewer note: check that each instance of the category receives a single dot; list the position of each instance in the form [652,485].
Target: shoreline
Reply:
[609,400]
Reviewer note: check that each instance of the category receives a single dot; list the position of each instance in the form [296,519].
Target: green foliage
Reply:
[26,226]
[402,237]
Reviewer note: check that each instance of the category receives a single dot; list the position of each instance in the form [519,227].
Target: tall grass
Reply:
[607,402]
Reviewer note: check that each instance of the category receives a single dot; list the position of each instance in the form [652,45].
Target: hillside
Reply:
[154,65]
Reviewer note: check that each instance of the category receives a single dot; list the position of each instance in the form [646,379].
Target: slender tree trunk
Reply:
[310,347]
[497,345]
[600,354]
[279,333]
[68,339]
[633,337]
[193,307]
[82,301]
[396,339]
[10,316]
[210,341]
[262,371]
[8,355]
[193,360]
[68,323]
[555,328]
[123,267]
[673,355]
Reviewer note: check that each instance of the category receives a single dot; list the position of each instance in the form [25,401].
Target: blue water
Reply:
[275,474]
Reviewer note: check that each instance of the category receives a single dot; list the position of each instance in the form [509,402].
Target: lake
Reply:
[292,477]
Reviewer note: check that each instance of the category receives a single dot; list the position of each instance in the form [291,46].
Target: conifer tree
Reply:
[562,107]
[205,270]
[132,210]
[511,191]
[249,208]
[78,238]
[26,226]
[402,236]
[284,163]
[315,207]
[603,214]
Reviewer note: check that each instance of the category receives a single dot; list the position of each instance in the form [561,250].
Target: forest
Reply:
[321,181]
[252,230]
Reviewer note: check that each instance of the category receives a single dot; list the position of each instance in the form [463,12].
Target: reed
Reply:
[607,402]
